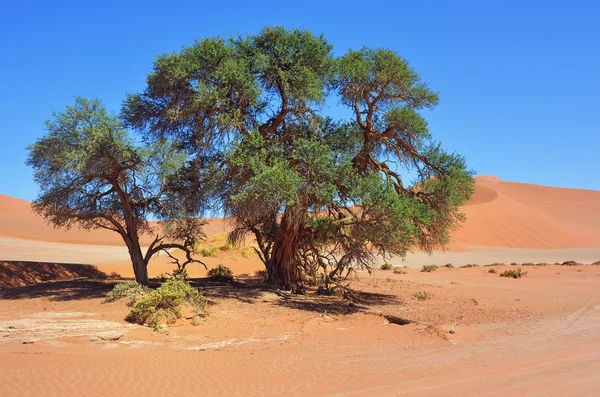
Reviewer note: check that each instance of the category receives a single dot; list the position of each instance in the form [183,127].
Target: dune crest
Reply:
[500,214]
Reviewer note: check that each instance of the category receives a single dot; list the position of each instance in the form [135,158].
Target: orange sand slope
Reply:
[519,215]
[18,221]
[500,214]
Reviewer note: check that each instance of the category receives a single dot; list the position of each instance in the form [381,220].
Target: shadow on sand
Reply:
[64,282]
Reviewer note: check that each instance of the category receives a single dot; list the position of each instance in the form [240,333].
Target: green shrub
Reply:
[429,268]
[247,252]
[421,295]
[513,273]
[492,271]
[129,289]
[220,273]
[210,252]
[398,270]
[164,304]
[386,266]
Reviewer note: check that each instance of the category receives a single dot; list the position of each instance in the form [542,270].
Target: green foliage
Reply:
[208,252]
[421,295]
[513,273]
[429,268]
[164,304]
[247,252]
[93,174]
[386,266]
[220,273]
[129,289]
[249,109]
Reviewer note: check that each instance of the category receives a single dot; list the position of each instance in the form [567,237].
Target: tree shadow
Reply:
[248,290]
[253,290]
[356,301]
[21,273]
[60,291]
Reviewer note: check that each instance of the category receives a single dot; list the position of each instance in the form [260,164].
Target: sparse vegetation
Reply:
[513,273]
[449,266]
[386,266]
[468,265]
[492,271]
[164,305]
[131,290]
[398,270]
[208,252]
[528,264]
[220,273]
[429,268]
[514,264]
[596,263]
[421,295]
[247,252]
[570,263]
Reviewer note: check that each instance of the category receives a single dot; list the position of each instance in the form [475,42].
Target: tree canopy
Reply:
[94,175]
[319,195]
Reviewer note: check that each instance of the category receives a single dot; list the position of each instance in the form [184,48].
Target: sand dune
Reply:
[500,214]
[519,215]
[18,221]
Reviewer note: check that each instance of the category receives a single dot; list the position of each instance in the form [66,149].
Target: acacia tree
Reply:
[316,193]
[93,175]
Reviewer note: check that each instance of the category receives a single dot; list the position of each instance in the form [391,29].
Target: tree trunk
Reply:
[283,269]
[140,267]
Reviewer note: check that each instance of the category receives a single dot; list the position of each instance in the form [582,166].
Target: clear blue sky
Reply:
[519,83]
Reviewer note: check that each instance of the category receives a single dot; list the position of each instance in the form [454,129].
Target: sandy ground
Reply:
[534,336]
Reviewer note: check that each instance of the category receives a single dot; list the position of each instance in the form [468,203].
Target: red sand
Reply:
[500,214]
[534,336]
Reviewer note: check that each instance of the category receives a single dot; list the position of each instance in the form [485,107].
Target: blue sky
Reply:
[519,83]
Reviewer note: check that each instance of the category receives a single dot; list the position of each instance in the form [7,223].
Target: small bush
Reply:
[596,263]
[129,289]
[398,270]
[429,268]
[514,264]
[421,295]
[164,304]
[220,273]
[570,263]
[449,266]
[386,266]
[528,264]
[468,265]
[492,271]
[208,252]
[513,273]
[247,252]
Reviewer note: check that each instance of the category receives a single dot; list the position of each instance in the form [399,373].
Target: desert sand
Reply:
[533,336]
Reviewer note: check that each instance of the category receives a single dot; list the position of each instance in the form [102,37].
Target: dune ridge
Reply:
[500,214]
